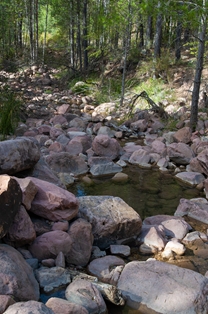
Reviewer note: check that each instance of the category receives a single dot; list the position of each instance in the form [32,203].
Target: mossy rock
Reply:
[81,88]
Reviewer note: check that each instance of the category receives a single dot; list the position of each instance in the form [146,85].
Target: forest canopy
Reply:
[85,34]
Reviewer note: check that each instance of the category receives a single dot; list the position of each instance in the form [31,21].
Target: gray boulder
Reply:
[18,155]
[111,218]
[158,287]
[84,293]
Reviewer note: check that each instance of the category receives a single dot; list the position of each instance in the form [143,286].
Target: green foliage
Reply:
[108,91]
[10,107]
[156,89]
[81,87]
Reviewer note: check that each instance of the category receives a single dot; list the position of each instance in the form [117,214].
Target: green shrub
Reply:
[10,107]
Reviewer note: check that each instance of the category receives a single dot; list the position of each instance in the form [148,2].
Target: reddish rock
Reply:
[49,244]
[29,190]
[80,232]
[65,307]
[56,147]
[52,202]
[183,135]
[5,302]
[21,231]
[10,200]
[58,119]
[105,146]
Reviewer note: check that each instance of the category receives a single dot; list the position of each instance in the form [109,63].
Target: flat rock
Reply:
[51,278]
[193,209]
[105,169]
[190,178]
[158,287]
[65,307]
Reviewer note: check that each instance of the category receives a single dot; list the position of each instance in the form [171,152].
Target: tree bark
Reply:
[158,37]
[85,41]
[198,74]
[178,41]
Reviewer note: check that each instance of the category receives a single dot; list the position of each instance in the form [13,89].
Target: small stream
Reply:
[148,191]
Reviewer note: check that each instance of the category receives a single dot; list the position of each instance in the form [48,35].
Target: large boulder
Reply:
[16,276]
[158,287]
[111,218]
[18,155]
[10,200]
[52,202]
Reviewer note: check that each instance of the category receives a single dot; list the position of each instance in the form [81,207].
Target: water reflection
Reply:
[149,192]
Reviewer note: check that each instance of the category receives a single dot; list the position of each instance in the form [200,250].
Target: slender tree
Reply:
[199,66]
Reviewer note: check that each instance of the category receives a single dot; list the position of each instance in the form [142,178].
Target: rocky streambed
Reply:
[98,247]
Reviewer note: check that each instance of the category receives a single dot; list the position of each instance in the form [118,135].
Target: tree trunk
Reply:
[126,51]
[45,31]
[158,37]
[149,32]
[85,41]
[178,41]
[198,74]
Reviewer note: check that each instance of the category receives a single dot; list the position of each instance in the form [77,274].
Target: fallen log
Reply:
[109,292]
[154,107]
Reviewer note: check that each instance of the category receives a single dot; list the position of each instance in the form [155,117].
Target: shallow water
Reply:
[149,192]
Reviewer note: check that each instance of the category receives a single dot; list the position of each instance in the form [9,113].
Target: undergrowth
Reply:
[10,107]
